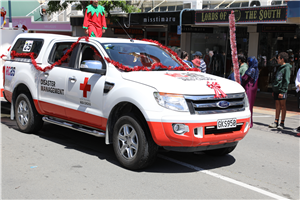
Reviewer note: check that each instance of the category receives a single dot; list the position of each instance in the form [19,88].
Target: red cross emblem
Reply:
[85,87]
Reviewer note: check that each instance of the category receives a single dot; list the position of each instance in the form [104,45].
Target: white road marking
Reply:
[275,196]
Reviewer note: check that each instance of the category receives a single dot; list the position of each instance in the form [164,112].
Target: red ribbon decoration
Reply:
[96,52]
[217,89]
[184,66]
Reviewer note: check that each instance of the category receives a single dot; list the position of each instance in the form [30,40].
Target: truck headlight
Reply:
[246,100]
[171,101]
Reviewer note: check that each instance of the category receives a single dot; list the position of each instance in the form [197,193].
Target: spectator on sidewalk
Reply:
[199,62]
[185,57]
[231,75]
[249,82]
[243,64]
[297,84]
[280,88]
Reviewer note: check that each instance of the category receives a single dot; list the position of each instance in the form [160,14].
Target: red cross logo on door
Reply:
[85,87]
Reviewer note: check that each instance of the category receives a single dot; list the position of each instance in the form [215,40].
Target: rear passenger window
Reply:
[28,45]
[58,51]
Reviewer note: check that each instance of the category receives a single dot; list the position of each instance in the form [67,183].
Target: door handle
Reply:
[46,74]
[72,79]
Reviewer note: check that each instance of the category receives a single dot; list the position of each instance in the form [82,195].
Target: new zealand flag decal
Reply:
[10,71]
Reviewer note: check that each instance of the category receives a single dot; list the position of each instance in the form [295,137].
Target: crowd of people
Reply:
[249,74]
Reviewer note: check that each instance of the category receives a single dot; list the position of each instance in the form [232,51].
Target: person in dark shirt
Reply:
[280,88]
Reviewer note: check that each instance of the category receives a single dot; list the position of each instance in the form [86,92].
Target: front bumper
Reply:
[163,134]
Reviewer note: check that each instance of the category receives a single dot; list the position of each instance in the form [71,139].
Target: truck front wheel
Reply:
[28,119]
[133,145]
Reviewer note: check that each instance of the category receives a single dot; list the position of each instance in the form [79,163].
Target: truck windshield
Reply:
[145,55]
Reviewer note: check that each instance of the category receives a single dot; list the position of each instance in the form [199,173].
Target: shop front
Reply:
[213,43]
[162,26]
[273,39]
[260,32]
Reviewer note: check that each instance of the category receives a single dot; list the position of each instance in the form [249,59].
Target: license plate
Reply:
[226,123]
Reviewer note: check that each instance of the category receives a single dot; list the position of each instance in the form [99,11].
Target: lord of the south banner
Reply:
[244,15]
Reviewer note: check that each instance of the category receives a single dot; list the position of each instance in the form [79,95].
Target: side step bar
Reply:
[74,126]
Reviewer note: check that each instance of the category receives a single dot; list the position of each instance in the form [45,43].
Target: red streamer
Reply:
[184,66]
[233,47]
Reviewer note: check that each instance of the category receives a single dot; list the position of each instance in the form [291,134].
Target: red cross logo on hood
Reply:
[85,87]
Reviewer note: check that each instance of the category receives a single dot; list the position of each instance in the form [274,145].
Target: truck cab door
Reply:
[84,88]
[52,86]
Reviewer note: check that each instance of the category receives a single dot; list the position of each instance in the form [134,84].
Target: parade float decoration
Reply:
[120,66]
[233,47]
[214,85]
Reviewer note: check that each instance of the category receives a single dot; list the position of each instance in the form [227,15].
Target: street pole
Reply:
[9,10]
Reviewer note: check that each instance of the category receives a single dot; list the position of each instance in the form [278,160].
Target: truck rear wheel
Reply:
[133,145]
[220,152]
[28,119]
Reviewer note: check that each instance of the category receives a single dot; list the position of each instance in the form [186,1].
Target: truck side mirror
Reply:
[93,66]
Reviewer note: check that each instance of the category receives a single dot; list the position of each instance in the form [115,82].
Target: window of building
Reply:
[187,5]
[224,5]
[255,3]
[278,3]
[235,5]
[180,7]
[245,4]
[147,9]
[171,8]
[163,8]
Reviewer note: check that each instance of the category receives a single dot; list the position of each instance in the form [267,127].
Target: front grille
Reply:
[207,104]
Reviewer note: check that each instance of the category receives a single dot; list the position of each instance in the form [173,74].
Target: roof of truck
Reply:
[58,36]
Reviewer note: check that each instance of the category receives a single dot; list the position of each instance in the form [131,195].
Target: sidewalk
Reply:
[264,114]
[264,103]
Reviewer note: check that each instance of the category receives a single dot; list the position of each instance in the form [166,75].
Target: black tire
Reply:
[220,152]
[133,144]
[27,118]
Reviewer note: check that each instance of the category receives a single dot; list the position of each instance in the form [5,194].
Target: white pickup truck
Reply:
[95,86]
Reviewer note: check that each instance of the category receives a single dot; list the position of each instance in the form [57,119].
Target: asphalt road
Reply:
[60,163]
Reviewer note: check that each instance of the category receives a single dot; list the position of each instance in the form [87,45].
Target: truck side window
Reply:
[28,45]
[60,49]
[89,53]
